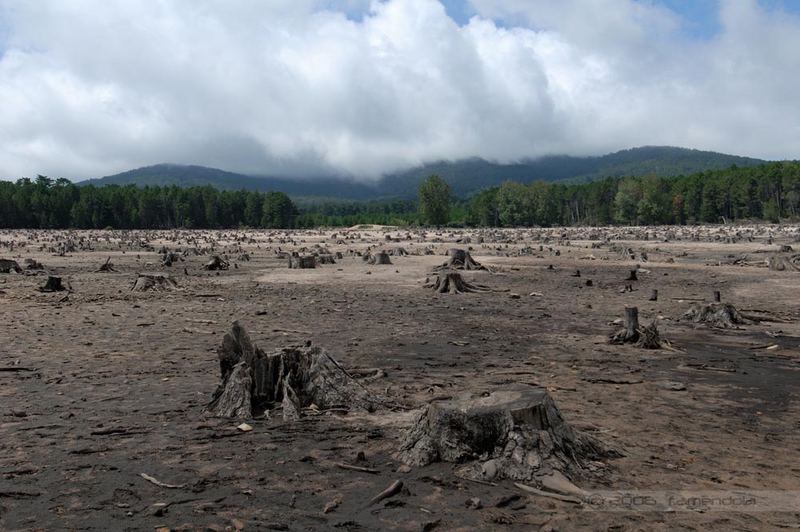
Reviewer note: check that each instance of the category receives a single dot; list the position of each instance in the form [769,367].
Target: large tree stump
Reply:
[379,258]
[253,381]
[302,262]
[55,284]
[716,315]
[782,263]
[216,263]
[156,282]
[8,266]
[460,259]
[449,282]
[516,433]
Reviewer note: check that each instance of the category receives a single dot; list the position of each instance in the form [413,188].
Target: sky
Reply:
[360,88]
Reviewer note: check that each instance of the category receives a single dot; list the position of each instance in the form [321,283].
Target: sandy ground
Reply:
[107,384]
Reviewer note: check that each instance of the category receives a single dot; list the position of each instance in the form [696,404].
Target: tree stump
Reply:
[654,295]
[717,296]
[783,263]
[8,266]
[107,266]
[302,262]
[647,337]
[55,284]
[155,282]
[515,433]
[326,258]
[460,259]
[216,263]
[716,315]
[632,276]
[379,258]
[449,282]
[295,377]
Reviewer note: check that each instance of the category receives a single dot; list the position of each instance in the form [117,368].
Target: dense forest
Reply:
[766,192]
[47,203]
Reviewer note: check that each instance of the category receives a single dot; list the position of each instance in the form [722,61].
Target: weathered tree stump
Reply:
[8,266]
[654,295]
[632,276]
[33,265]
[155,282]
[717,296]
[716,315]
[294,377]
[326,258]
[781,263]
[216,263]
[460,259]
[107,266]
[379,258]
[55,284]
[302,262]
[449,282]
[647,337]
[515,433]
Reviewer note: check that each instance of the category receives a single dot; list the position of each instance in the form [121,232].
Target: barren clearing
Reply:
[104,389]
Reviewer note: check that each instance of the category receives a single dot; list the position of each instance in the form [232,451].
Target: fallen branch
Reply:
[393,489]
[557,496]
[356,468]
[159,483]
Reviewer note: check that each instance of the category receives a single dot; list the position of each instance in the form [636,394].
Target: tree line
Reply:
[767,192]
[44,203]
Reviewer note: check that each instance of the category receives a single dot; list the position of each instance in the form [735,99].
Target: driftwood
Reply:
[295,377]
[153,281]
[516,433]
[450,282]
[716,315]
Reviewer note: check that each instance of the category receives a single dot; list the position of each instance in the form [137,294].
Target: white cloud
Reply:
[91,87]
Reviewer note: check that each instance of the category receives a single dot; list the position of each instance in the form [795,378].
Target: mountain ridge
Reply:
[466,176]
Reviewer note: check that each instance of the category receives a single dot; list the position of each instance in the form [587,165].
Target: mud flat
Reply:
[104,388]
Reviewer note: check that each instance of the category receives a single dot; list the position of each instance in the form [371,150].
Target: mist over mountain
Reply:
[465,177]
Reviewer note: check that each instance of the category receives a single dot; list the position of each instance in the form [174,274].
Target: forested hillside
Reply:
[769,192]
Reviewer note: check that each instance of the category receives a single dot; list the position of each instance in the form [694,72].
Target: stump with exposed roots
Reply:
[645,337]
[8,266]
[254,382]
[781,263]
[450,282]
[155,282]
[297,262]
[107,266]
[460,259]
[216,263]
[716,315]
[515,433]
[379,258]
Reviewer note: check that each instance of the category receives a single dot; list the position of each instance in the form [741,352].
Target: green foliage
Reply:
[59,204]
[770,191]
[434,201]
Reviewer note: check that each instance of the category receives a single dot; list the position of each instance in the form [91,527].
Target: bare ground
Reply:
[107,384]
